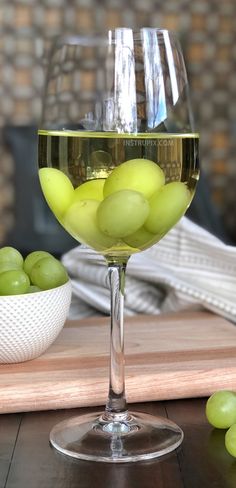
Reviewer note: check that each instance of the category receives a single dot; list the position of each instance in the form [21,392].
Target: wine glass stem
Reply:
[116,402]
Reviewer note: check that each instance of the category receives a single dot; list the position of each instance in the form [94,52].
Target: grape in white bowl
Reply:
[30,320]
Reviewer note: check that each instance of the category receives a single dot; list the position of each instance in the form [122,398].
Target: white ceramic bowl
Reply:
[30,323]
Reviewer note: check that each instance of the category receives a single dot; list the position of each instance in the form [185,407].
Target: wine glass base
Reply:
[94,437]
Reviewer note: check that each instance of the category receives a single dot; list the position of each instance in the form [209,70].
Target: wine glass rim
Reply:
[90,38]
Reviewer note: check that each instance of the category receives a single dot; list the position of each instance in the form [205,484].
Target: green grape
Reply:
[91,190]
[140,238]
[140,175]
[221,409]
[57,188]
[10,254]
[167,206]
[33,289]
[14,282]
[122,213]
[32,258]
[80,220]
[230,440]
[216,447]
[48,273]
[6,266]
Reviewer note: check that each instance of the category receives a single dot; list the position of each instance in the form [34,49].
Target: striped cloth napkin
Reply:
[188,269]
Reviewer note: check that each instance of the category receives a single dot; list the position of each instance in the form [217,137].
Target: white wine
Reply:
[118,193]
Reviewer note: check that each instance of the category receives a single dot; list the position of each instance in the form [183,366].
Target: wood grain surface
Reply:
[167,357]
[28,461]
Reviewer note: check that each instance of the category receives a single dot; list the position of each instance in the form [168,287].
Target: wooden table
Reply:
[28,461]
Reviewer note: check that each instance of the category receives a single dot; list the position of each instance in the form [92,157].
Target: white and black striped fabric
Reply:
[188,269]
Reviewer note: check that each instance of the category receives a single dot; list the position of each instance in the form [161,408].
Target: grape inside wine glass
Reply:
[118,166]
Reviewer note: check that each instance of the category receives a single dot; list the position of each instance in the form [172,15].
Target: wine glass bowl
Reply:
[118,166]
[134,203]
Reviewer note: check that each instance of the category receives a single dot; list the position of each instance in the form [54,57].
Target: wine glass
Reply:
[118,166]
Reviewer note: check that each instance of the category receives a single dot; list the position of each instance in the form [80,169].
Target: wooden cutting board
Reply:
[169,356]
